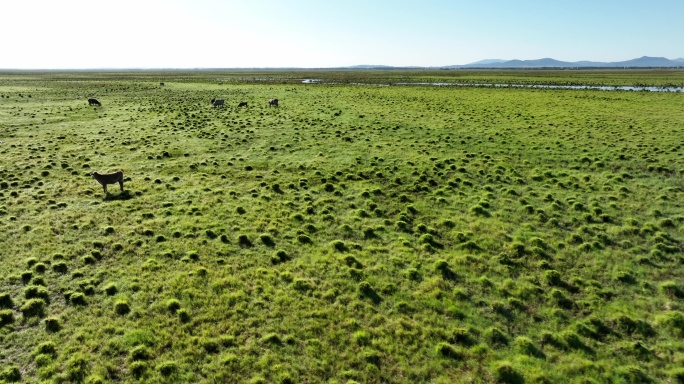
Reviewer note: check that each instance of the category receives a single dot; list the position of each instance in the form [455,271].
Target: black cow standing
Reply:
[94,102]
[273,103]
[242,104]
[217,102]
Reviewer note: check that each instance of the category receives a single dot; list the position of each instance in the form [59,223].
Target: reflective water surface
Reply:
[598,87]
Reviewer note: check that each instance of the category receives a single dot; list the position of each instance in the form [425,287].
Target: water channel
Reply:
[541,86]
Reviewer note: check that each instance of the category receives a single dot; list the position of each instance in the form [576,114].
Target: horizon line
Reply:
[472,65]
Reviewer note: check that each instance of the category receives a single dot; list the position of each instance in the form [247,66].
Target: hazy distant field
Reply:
[356,233]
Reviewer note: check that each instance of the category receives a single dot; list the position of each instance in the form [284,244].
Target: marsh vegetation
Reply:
[353,234]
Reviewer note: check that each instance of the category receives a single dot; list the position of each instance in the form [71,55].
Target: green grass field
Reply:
[356,233]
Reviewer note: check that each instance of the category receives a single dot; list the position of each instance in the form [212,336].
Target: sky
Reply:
[75,34]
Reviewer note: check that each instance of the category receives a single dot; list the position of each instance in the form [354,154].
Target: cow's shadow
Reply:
[125,195]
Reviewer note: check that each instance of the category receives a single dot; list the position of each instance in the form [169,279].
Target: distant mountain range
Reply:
[642,62]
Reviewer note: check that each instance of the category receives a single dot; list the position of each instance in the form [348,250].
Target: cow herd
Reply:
[117,177]
[220,102]
[214,102]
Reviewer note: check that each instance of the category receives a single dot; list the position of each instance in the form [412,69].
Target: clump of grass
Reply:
[673,321]
[366,290]
[494,336]
[121,307]
[403,226]
[53,324]
[527,347]
[173,305]
[26,276]
[671,289]
[361,338]
[183,315]
[339,246]
[557,297]
[46,348]
[6,301]
[304,239]
[677,375]
[6,317]
[279,256]
[40,267]
[461,336]
[77,298]
[552,277]
[351,261]
[11,374]
[138,368]
[625,277]
[369,233]
[33,308]
[244,241]
[372,357]
[302,285]
[210,346]
[504,372]
[111,289]
[447,223]
[632,374]
[471,245]
[479,210]
[140,352]
[449,351]
[271,338]
[167,368]
[267,240]
[413,274]
[37,291]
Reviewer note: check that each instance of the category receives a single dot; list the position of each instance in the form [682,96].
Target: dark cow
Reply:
[242,104]
[109,178]
[162,84]
[94,102]
[273,103]
[217,102]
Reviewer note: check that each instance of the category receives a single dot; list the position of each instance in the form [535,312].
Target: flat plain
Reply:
[359,232]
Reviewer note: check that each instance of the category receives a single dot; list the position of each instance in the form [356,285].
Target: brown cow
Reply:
[109,178]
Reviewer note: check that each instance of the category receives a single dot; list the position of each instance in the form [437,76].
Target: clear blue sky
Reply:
[328,33]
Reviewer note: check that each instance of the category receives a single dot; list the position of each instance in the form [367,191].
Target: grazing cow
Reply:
[242,104]
[162,84]
[109,178]
[217,102]
[94,102]
[273,103]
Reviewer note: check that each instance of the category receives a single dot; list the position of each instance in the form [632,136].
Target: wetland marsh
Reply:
[352,234]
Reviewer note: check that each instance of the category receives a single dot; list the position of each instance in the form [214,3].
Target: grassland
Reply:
[356,233]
